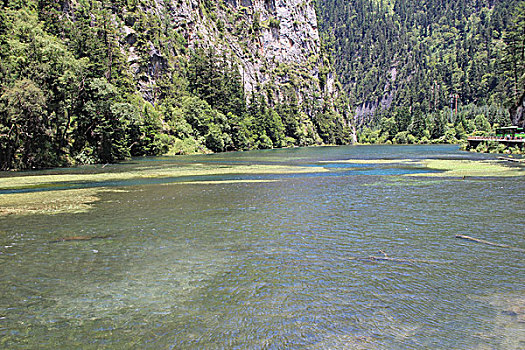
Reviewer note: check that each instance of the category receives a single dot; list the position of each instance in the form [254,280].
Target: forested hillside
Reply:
[89,81]
[100,81]
[404,63]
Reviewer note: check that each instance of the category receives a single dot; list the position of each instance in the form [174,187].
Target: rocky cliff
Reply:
[275,43]
[103,80]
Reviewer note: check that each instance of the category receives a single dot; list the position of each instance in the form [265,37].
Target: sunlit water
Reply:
[272,264]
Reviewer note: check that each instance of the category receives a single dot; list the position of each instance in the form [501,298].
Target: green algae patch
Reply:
[447,167]
[66,200]
[40,181]
[371,161]
[471,168]
[404,181]
[49,202]
[221,182]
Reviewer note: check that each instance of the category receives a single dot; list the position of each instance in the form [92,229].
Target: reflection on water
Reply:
[270,264]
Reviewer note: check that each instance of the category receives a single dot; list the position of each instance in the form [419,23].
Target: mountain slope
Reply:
[393,55]
[98,81]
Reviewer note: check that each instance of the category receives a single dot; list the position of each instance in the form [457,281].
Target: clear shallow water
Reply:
[269,264]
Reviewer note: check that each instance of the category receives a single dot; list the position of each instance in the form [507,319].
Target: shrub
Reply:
[401,138]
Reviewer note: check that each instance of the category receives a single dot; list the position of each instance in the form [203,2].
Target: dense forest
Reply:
[418,71]
[96,81]
[68,95]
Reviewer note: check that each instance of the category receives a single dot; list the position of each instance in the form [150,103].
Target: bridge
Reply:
[474,141]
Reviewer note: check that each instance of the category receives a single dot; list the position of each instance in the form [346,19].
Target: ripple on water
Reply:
[270,265]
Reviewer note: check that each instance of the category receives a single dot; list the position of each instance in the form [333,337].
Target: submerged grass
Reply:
[80,200]
[474,168]
[372,161]
[221,182]
[449,167]
[37,181]
[49,202]
[403,181]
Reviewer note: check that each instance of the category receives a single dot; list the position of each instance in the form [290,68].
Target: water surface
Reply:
[280,263]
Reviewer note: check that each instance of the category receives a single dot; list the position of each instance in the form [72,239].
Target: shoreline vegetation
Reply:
[492,147]
[435,129]
[68,95]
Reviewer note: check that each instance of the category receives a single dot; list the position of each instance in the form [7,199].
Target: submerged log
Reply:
[78,238]
[512,160]
[468,238]
[385,257]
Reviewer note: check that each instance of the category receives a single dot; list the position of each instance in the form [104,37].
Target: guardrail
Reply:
[495,138]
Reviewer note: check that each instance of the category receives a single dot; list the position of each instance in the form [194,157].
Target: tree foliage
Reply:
[97,81]
[406,59]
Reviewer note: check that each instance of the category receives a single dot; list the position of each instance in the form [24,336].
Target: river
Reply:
[268,260]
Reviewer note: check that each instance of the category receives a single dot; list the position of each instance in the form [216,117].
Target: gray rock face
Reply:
[275,43]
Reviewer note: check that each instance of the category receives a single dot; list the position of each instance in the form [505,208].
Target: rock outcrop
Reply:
[275,44]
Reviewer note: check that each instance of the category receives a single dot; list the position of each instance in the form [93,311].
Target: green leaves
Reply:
[217,81]
[91,81]
[40,81]
[422,52]
[514,53]
[26,142]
